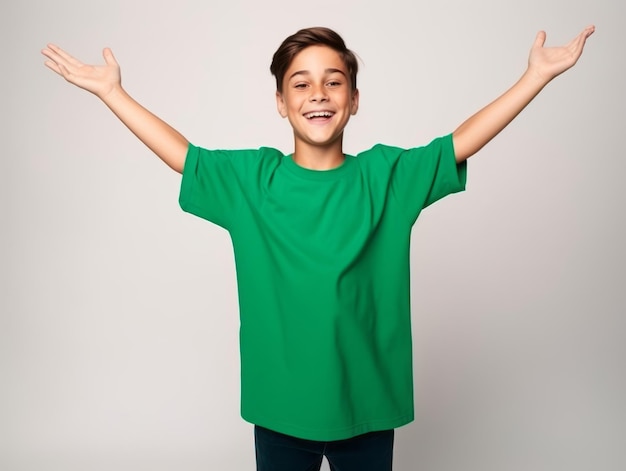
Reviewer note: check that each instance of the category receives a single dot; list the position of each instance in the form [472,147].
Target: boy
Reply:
[321,243]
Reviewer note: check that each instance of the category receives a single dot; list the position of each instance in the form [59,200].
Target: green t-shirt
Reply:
[322,261]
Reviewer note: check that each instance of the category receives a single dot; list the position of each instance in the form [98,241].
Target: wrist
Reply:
[538,76]
[114,94]
[535,78]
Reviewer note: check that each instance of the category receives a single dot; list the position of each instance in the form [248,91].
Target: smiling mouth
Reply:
[319,115]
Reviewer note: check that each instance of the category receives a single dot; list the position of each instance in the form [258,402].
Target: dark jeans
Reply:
[278,452]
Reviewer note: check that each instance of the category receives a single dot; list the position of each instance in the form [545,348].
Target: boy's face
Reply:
[317,98]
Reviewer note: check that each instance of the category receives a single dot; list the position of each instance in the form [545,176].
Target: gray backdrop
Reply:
[118,327]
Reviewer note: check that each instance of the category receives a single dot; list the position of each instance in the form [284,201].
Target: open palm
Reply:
[548,62]
[97,79]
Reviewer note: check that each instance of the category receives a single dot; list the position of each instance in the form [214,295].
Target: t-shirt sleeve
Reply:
[211,186]
[426,174]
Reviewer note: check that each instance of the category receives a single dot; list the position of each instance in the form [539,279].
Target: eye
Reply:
[334,83]
[300,85]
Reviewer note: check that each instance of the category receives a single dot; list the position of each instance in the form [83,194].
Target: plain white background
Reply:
[118,327]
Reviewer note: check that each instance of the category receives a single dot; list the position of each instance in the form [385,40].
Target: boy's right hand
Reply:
[105,82]
[97,79]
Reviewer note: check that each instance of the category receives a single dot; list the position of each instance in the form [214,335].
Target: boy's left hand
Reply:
[548,62]
[544,64]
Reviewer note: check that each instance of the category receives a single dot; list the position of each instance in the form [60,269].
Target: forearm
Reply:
[483,126]
[543,65]
[167,143]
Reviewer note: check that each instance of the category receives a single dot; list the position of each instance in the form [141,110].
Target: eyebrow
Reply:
[326,71]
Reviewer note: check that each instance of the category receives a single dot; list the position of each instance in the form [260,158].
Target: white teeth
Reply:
[318,114]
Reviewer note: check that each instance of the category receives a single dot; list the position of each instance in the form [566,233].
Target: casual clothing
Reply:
[323,278]
[275,451]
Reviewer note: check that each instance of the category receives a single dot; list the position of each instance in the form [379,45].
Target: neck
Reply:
[319,157]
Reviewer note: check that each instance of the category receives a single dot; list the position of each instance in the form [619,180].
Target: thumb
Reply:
[108,56]
[540,39]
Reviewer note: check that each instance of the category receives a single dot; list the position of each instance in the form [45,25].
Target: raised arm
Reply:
[544,64]
[104,81]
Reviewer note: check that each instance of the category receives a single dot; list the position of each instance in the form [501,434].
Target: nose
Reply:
[318,94]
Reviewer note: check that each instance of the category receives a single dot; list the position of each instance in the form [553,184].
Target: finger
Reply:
[53,66]
[109,58]
[540,39]
[53,56]
[589,30]
[575,44]
[58,68]
[65,72]
[67,57]
[578,43]
[49,53]
[582,37]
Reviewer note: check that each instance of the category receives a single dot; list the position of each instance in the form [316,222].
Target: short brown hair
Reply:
[317,36]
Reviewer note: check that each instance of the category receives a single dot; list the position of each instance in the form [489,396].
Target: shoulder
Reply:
[226,165]
[261,152]
[389,151]
[238,158]
[380,154]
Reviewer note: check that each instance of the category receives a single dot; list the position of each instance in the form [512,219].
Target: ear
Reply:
[354,105]
[281,105]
